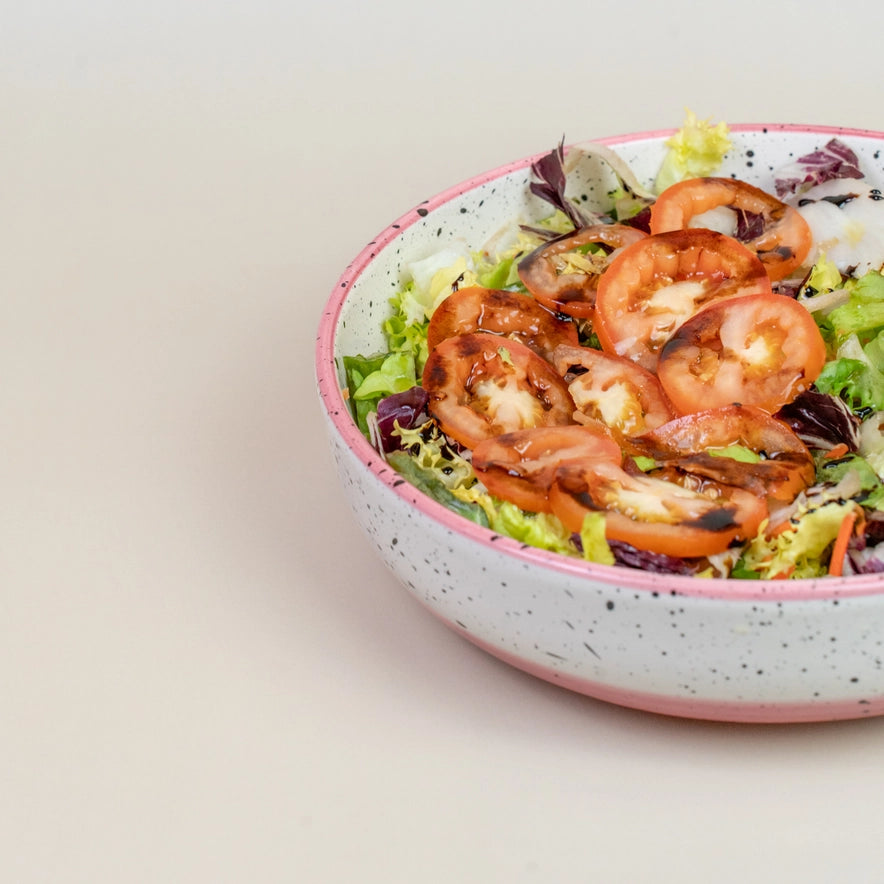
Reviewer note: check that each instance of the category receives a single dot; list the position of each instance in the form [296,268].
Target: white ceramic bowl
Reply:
[730,650]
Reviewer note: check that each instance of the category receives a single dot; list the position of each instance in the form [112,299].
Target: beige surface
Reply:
[206,675]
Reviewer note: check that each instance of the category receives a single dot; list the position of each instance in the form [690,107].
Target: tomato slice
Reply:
[510,314]
[563,276]
[698,443]
[654,514]
[659,282]
[480,386]
[613,390]
[759,350]
[777,233]
[520,466]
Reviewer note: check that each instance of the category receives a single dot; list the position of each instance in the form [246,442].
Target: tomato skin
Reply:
[520,466]
[659,282]
[572,293]
[613,390]
[783,243]
[654,514]
[786,467]
[760,350]
[510,314]
[480,386]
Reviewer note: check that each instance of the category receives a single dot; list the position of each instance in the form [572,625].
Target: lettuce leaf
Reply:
[357,370]
[799,551]
[429,448]
[855,331]
[854,377]
[824,277]
[429,482]
[870,483]
[432,280]
[540,530]
[592,538]
[863,313]
[407,337]
[395,374]
[695,151]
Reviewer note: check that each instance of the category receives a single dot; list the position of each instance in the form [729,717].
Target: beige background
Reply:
[206,674]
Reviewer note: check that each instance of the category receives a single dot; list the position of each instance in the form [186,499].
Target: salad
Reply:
[689,381]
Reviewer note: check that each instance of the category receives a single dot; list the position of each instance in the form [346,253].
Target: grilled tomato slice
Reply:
[520,466]
[659,282]
[480,385]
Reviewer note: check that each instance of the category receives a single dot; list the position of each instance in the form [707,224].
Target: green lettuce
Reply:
[799,551]
[540,530]
[854,376]
[824,277]
[592,538]
[871,487]
[695,151]
[407,337]
[429,448]
[855,331]
[433,280]
[430,483]
[370,378]
[863,313]
[395,374]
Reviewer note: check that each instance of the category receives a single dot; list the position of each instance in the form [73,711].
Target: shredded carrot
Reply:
[836,452]
[839,549]
[785,574]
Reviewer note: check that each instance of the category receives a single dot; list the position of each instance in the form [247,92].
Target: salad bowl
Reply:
[761,650]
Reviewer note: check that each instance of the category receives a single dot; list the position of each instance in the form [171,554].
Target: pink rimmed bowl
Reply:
[727,650]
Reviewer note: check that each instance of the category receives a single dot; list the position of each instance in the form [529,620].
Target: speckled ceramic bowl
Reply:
[747,651]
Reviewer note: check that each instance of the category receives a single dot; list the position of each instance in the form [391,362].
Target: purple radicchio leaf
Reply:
[875,527]
[821,421]
[789,288]
[835,160]
[549,172]
[408,408]
[628,555]
[641,220]
[866,555]
[544,234]
[750,225]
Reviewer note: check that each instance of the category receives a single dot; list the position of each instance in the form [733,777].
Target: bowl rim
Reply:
[808,589]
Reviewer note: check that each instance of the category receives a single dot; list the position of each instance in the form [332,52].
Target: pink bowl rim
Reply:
[824,589]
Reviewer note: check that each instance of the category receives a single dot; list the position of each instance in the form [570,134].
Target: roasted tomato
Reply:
[519,467]
[759,350]
[612,390]
[480,386]
[510,314]
[655,514]
[563,275]
[657,283]
[774,231]
[698,443]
